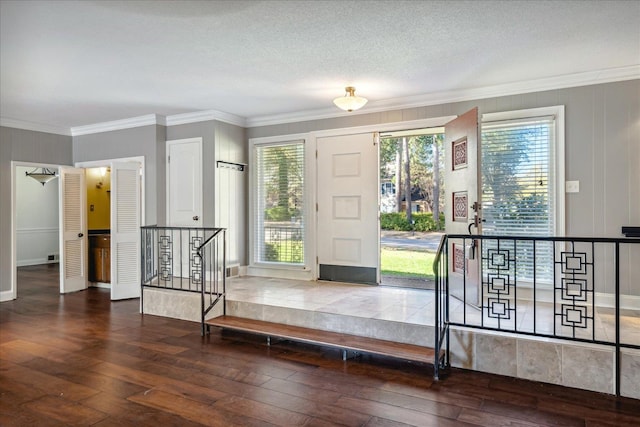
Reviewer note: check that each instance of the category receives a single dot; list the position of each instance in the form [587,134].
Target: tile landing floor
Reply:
[416,306]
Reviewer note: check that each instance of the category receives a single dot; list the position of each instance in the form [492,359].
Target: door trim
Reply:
[12,293]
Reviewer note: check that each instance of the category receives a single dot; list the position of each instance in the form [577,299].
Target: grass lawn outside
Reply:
[406,263]
[394,262]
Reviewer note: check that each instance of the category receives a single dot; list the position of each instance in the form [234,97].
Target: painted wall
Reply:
[232,192]
[602,152]
[219,139]
[26,146]
[141,141]
[225,191]
[206,131]
[37,226]
[98,199]
[602,130]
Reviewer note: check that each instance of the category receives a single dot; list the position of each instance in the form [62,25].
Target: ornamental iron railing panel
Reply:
[185,259]
[569,289]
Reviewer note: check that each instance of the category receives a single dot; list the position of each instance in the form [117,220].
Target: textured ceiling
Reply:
[68,63]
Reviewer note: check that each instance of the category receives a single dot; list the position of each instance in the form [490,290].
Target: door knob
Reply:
[195,218]
[80,235]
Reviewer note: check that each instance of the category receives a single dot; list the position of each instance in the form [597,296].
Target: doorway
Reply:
[131,187]
[411,205]
[35,221]
[114,211]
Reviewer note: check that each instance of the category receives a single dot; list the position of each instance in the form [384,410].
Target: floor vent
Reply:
[233,271]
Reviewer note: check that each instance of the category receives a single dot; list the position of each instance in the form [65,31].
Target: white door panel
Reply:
[348,242]
[462,203]
[73,230]
[125,230]
[184,182]
[184,198]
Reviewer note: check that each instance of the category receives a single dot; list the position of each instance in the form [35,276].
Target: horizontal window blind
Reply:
[519,187]
[279,215]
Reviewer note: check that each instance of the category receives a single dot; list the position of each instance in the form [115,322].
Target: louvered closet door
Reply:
[125,231]
[73,226]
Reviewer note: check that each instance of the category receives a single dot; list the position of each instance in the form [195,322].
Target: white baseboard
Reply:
[627,302]
[279,273]
[6,296]
[100,285]
[34,261]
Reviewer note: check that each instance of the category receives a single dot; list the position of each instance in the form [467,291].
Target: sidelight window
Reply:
[279,214]
[520,183]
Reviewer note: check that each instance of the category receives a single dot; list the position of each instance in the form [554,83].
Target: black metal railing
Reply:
[553,287]
[185,259]
[441,327]
[213,256]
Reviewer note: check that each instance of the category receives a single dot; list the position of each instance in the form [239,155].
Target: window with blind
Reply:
[519,188]
[279,215]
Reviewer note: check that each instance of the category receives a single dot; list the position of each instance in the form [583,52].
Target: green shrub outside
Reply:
[280,213]
[270,252]
[397,221]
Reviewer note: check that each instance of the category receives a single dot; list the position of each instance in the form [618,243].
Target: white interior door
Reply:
[348,198]
[73,230]
[125,231]
[184,182]
[463,185]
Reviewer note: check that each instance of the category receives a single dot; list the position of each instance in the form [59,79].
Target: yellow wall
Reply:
[100,217]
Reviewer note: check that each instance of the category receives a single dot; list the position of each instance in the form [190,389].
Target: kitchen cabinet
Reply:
[100,258]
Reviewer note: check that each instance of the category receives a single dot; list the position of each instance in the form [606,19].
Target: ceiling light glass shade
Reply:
[43,176]
[350,102]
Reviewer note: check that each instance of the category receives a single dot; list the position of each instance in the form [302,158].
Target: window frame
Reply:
[276,269]
[558,158]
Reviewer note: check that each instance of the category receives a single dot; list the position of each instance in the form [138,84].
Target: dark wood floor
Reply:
[80,359]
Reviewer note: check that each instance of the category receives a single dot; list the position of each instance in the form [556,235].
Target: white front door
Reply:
[125,230]
[184,182]
[462,204]
[348,198]
[73,230]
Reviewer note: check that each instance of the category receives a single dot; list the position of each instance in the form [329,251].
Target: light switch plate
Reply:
[572,186]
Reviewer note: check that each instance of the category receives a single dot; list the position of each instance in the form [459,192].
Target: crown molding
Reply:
[146,120]
[156,119]
[204,116]
[37,127]
[552,83]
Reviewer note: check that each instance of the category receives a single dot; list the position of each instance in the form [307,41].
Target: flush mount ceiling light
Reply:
[350,102]
[45,175]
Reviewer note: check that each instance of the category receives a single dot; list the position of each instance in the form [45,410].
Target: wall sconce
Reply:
[45,175]
[350,102]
